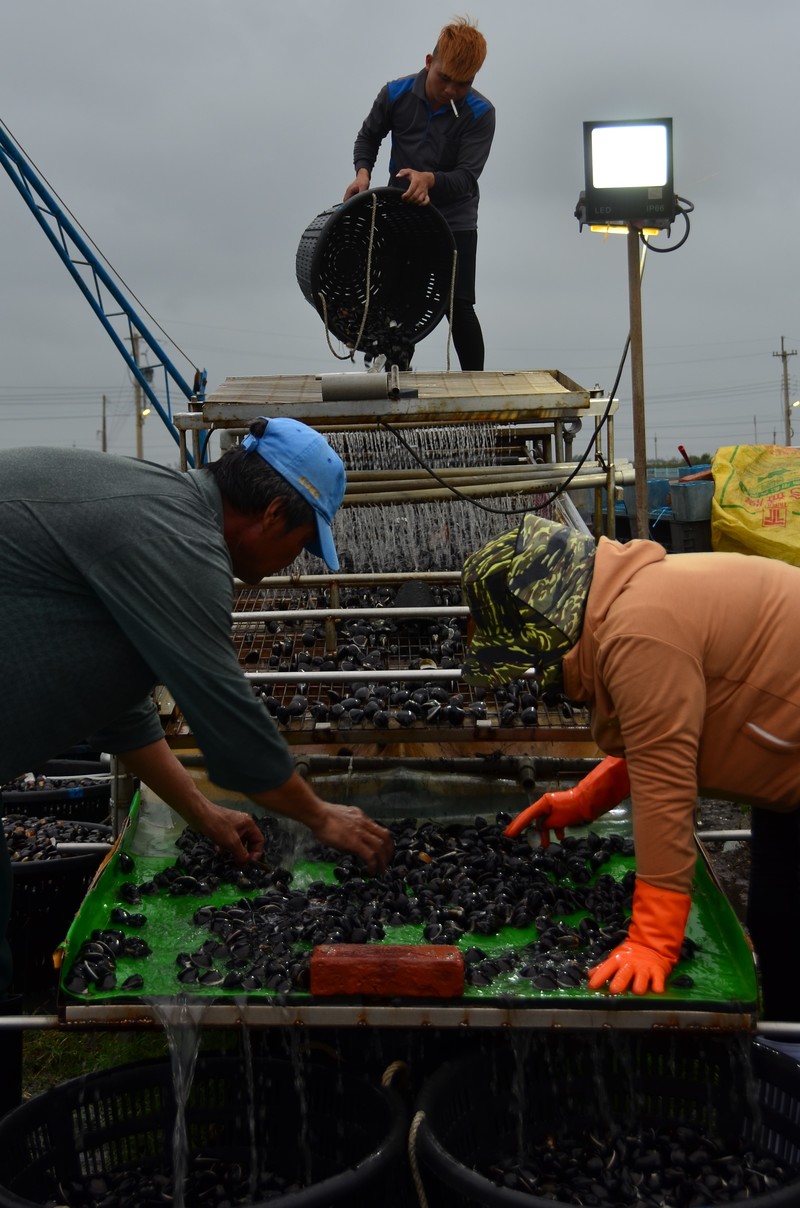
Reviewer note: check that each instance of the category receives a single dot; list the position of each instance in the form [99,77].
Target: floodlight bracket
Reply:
[621,224]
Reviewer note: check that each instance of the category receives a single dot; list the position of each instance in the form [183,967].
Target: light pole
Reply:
[629,189]
[637,385]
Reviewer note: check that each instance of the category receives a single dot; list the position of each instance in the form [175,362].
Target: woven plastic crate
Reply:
[478,1109]
[46,896]
[78,802]
[379,253]
[341,1137]
[74,766]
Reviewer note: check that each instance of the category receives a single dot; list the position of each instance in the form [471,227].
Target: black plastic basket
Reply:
[478,1109]
[341,1137]
[378,252]
[77,802]
[67,765]
[46,896]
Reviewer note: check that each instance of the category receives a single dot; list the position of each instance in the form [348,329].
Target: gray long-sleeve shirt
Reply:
[454,148]
[114,576]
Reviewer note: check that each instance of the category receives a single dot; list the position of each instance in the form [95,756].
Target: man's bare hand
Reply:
[359,185]
[419,186]
[235,831]
[347,828]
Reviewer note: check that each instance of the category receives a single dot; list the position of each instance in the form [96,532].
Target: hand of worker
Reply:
[645,960]
[359,185]
[419,186]
[604,787]
[347,828]
[235,831]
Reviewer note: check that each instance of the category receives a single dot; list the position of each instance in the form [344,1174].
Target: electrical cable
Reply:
[204,446]
[581,460]
[552,498]
[684,211]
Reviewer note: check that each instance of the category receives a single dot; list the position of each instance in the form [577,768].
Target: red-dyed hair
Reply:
[460,49]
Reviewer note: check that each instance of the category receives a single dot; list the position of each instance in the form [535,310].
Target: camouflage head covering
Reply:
[526,591]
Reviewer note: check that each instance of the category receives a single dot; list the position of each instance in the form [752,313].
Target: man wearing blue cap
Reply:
[117,575]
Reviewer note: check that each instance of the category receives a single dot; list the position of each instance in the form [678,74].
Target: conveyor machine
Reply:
[361,671]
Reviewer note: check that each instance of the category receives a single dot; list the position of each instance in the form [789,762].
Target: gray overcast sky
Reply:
[195,140]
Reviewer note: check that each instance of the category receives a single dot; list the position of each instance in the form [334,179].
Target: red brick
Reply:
[387,970]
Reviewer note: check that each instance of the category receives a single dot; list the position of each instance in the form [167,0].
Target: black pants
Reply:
[466,329]
[773,910]
[467,333]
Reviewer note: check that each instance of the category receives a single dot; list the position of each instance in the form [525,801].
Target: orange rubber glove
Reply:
[603,788]
[653,945]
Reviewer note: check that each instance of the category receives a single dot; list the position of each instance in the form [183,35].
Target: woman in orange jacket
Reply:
[688,664]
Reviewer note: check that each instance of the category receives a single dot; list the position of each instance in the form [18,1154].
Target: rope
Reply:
[395,1068]
[347,356]
[452,304]
[412,1157]
[368,274]
[351,356]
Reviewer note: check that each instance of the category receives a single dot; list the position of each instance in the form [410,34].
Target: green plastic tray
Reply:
[722,970]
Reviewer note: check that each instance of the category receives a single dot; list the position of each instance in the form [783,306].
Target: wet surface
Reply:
[729,859]
[528,921]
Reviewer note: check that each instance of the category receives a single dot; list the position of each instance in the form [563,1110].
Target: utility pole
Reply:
[787,414]
[104,429]
[635,268]
[137,400]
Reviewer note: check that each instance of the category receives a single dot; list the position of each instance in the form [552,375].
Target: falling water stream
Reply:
[181,1022]
[462,444]
[415,535]
[436,535]
[247,1054]
[617,1079]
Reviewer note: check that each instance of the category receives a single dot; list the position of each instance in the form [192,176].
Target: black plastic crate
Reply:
[479,1109]
[46,896]
[338,1135]
[62,799]
[376,256]
[690,536]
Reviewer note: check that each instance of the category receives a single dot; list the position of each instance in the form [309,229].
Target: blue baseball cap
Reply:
[305,459]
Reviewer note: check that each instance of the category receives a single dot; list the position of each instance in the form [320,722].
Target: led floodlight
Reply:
[628,171]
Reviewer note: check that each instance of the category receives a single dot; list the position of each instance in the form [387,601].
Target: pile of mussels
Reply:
[211,1181]
[672,1166]
[452,883]
[33,839]
[375,645]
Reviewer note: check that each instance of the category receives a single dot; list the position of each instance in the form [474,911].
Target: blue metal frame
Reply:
[92,279]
